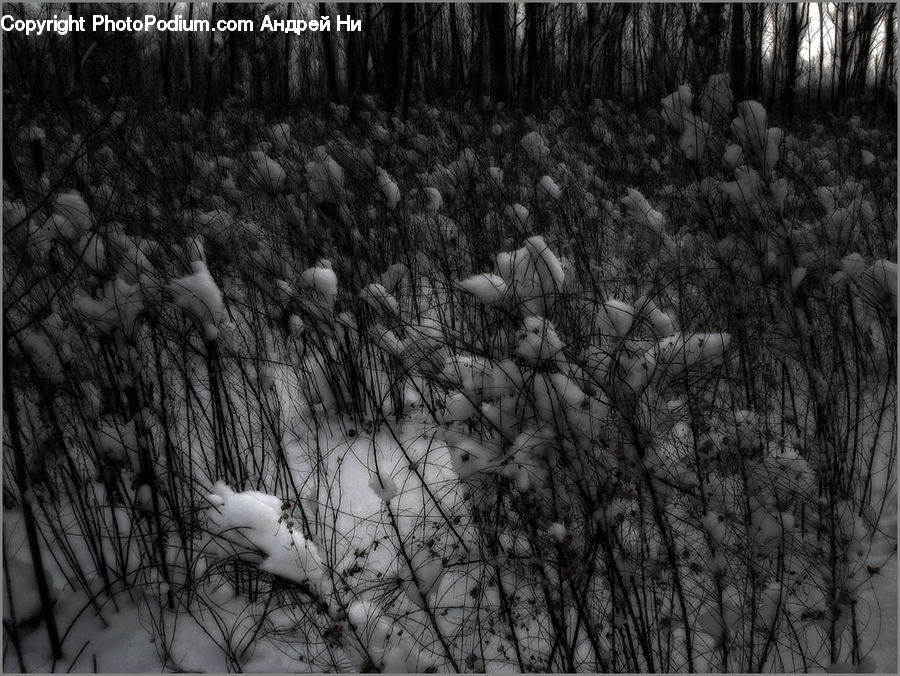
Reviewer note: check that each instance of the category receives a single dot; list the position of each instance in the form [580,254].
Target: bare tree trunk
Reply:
[634,51]
[611,66]
[641,67]
[458,76]
[790,58]
[590,56]
[888,73]
[76,49]
[390,83]
[210,50]
[821,52]
[233,66]
[738,55]
[497,33]
[24,488]
[757,20]
[568,28]
[166,58]
[328,59]
[777,36]
[711,29]
[864,30]
[532,21]
[841,43]
[286,62]
[409,57]
[10,169]
[189,78]
[625,9]
[366,50]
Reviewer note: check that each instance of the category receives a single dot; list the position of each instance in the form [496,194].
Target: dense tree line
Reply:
[830,56]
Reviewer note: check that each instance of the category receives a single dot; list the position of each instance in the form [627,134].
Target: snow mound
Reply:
[72,207]
[539,341]
[677,108]
[388,188]
[281,136]
[488,288]
[550,188]
[378,298]
[384,486]
[641,211]
[614,319]
[118,308]
[679,352]
[324,283]
[255,527]
[535,147]
[22,598]
[530,278]
[199,296]
[266,171]
[92,251]
[325,177]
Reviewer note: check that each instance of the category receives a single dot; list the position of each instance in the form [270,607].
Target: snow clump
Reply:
[254,527]
[199,296]
[535,147]
[266,171]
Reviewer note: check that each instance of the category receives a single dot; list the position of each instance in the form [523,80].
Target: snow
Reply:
[550,188]
[281,136]
[93,252]
[384,487]
[853,265]
[458,407]
[388,188]
[199,296]
[33,134]
[324,283]
[797,277]
[529,279]
[614,319]
[694,139]
[558,532]
[266,171]
[325,178]
[744,192]
[750,126]
[716,99]
[535,147]
[119,308]
[252,524]
[539,341]
[639,208]
[677,108]
[44,356]
[487,287]
[72,207]
[518,214]
[434,199]
[881,279]
[58,226]
[22,599]
[116,441]
[378,298]
[760,143]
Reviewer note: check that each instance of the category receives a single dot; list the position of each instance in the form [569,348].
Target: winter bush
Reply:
[400,396]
